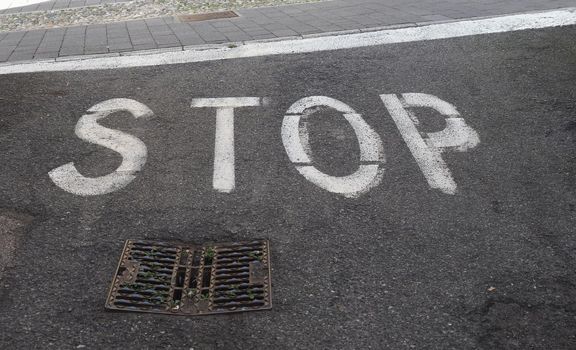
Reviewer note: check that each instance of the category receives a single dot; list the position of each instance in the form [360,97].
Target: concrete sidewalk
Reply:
[252,24]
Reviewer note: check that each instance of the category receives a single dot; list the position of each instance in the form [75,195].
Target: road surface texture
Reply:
[402,266]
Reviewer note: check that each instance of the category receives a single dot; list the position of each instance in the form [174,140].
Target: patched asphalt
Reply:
[403,266]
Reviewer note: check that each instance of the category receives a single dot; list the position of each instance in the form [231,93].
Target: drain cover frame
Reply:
[179,278]
[199,17]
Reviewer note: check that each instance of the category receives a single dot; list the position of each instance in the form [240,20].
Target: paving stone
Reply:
[238,36]
[166,40]
[146,46]
[256,32]
[13,38]
[21,56]
[263,36]
[143,40]
[191,40]
[26,48]
[73,41]
[248,25]
[427,18]
[283,32]
[44,55]
[5,53]
[212,37]
[223,24]
[71,50]
[43,49]
[90,50]
[120,48]
[179,27]
[306,29]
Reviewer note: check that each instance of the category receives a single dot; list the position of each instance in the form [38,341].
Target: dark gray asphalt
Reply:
[402,267]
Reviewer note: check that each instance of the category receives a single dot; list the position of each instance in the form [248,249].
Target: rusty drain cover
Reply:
[207,16]
[188,279]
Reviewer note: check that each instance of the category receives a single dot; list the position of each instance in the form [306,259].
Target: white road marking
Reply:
[546,19]
[295,138]
[427,149]
[133,151]
[224,169]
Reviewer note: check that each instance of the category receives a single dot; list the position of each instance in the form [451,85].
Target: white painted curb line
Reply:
[546,19]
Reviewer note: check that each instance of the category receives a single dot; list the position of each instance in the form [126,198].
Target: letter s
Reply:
[132,150]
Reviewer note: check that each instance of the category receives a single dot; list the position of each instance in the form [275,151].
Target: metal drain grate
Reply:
[207,16]
[186,279]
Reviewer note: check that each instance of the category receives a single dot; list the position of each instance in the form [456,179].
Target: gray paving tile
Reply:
[44,49]
[5,53]
[21,56]
[179,27]
[146,46]
[222,24]
[306,29]
[61,4]
[76,3]
[284,32]
[275,26]
[90,50]
[211,36]
[73,41]
[44,55]
[167,40]
[116,33]
[115,45]
[53,37]
[238,36]
[13,38]
[55,33]
[248,25]
[162,46]
[26,48]
[71,50]
[120,48]
[435,18]
[257,32]
[160,30]
[142,40]
[263,36]
[191,40]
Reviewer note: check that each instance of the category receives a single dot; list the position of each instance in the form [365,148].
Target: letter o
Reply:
[295,140]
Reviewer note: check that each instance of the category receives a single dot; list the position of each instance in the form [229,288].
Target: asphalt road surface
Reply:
[490,264]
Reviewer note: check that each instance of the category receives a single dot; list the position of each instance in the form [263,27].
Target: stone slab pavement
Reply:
[252,24]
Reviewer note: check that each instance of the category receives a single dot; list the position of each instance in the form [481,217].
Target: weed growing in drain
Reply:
[160,300]
[210,252]
[176,304]
[154,267]
[251,295]
[134,287]
[148,274]
[255,256]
